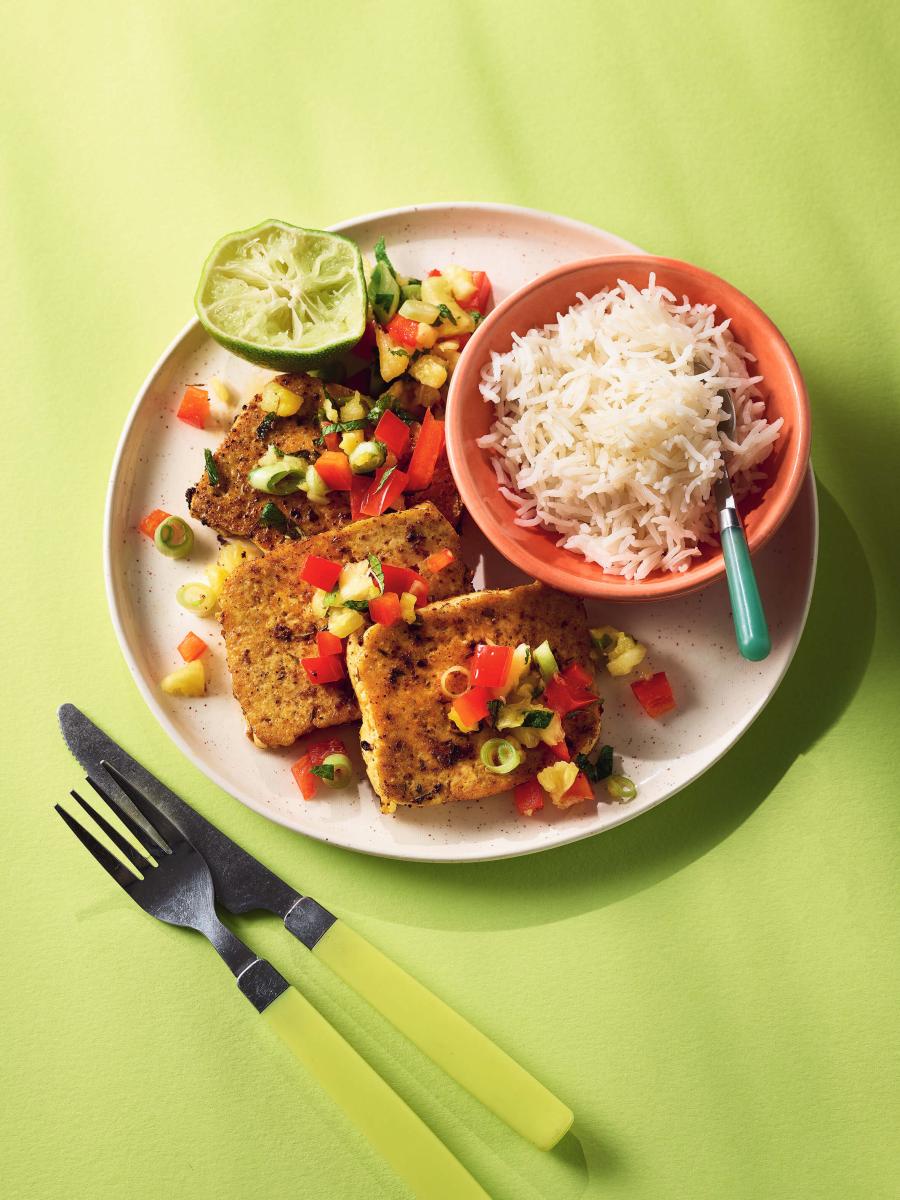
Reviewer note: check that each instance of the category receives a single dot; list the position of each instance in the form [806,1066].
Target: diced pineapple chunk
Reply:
[392,358]
[344,621]
[356,583]
[220,390]
[461,282]
[353,409]
[426,336]
[189,680]
[429,370]
[352,438]
[408,608]
[317,604]
[276,398]
[440,293]
[234,553]
[557,779]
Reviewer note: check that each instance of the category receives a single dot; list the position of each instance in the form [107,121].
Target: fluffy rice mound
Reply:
[606,427]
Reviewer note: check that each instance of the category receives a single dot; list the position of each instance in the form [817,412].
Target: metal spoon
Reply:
[750,626]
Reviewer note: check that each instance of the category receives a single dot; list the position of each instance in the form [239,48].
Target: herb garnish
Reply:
[538,718]
[446,314]
[494,707]
[377,570]
[381,256]
[385,477]
[595,771]
[401,353]
[273,518]
[476,316]
[335,599]
[324,771]
[212,468]
[262,429]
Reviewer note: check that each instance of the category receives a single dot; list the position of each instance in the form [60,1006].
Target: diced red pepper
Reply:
[403,331]
[320,572]
[559,696]
[393,432]
[436,562]
[529,798]
[578,679]
[428,449]
[561,750]
[191,647]
[358,489]
[152,520]
[419,589]
[385,610]
[194,407]
[655,694]
[489,665]
[398,579]
[433,274]
[314,757]
[334,467]
[581,789]
[383,496]
[328,643]
[324,668]
[332,441]
[482,297]
[472,706]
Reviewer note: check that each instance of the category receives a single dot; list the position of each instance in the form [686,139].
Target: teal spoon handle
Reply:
[750,626]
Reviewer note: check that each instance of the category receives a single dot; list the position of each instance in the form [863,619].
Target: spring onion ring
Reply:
[620,787]
[500,756]
[174,538]
[199,598]
[447,677]
[342,770]
[279,478]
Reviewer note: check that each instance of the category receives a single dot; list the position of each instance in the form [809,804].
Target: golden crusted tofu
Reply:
[232,506]
[413,753]
[269,625]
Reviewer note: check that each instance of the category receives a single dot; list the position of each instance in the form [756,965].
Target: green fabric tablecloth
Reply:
[713,986]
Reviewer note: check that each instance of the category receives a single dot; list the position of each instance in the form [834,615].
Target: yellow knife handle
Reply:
[407,1144]
[447,1038]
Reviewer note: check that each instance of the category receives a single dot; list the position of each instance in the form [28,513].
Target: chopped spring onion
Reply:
[212,467]
[537,718]
[500,756]
[336,770]
[275,398]
[419,310]
[279,478]
[620,787]
[447,681]
[316,487]
[543,656]
[174,538]
[199,598]
[367,457]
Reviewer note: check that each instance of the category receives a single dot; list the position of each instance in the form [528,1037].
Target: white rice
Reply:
[605,434]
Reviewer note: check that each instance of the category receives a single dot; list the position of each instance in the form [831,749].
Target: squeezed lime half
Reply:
[284,297]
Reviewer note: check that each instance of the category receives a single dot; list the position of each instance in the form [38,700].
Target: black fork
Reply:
[174,884]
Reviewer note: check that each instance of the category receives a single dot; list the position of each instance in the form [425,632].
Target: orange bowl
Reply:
[469,417]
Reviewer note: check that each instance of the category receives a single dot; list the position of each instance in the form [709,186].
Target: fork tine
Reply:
[149,844]
[157,820]
[107,861]
[134,856]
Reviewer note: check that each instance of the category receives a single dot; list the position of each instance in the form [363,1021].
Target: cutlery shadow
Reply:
[591,874]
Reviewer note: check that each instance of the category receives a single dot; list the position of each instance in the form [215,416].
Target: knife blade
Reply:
[241,882]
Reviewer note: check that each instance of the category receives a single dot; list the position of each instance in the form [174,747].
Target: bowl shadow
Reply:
[599,871]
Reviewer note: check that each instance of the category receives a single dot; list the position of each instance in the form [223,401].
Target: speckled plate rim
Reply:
[430,853]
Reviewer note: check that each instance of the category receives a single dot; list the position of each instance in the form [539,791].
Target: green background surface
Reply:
[713,986]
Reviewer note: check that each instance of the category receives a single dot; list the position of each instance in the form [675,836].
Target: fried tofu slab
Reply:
[269,624]
[414,755]
[233,507]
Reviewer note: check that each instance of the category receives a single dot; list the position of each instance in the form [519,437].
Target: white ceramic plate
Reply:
[719,694]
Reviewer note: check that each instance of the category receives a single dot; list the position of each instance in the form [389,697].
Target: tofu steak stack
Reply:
[270,623]
[414,754]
